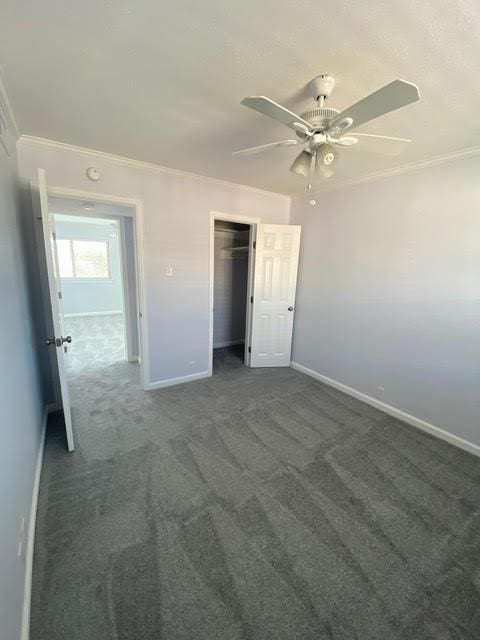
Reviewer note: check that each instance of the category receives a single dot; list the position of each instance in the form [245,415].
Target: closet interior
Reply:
[231,256]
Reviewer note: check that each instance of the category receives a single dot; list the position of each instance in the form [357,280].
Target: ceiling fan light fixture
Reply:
[301,164]
[327,158]
[326,173]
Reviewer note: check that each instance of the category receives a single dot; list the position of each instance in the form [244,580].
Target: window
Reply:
[83,259]
[65,262]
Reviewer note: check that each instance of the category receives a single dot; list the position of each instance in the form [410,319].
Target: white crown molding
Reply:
[54,144]
[343,184]
[8,107]
[411,167]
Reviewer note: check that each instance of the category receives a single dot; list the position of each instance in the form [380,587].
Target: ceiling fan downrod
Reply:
[321,88]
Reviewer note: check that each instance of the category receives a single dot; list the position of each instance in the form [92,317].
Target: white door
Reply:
[274,285]
[56,341]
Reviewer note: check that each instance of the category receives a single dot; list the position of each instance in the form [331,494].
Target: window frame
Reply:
[91,279]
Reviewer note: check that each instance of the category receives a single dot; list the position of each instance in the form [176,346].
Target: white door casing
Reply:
[275,282]
[55,292]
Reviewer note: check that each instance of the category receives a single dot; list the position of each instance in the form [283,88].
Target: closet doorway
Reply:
[253,279]
[232,241]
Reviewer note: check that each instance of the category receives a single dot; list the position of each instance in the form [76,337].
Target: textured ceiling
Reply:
[162,82]
[75,206]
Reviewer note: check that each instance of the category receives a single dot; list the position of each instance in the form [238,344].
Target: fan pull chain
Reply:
[312,170]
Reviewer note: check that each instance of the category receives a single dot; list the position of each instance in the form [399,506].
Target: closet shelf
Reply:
[235,252]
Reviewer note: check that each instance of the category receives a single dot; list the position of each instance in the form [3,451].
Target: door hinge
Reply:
[251,299]
[249,349]
[60,295]
[254,244]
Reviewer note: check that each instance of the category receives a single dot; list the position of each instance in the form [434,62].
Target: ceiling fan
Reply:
[321,129]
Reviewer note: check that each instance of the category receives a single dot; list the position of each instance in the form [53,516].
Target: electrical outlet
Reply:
[169,271]
[380,393]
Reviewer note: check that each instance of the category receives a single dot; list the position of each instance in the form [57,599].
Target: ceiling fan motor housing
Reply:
[322,86]
[320,118]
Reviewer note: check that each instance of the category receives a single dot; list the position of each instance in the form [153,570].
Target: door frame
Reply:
[136,213]
[253,222]
[126,292]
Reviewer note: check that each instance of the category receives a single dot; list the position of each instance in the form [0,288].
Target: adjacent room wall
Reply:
[92,296]
[21,402]
[130,269]
[176,233]
[389,292]
[230,290]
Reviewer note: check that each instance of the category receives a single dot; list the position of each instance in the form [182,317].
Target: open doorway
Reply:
[90,386]
[96,268]
[231,263]
[262,335]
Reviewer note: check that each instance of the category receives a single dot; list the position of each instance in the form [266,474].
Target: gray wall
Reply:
[176,229]
[21,402]
[389,292]
[230,290]
[84,296]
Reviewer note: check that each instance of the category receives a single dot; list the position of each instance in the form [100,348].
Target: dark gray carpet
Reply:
[258,504]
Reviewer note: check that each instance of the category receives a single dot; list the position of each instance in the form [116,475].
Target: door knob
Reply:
[58,341]
[290,308]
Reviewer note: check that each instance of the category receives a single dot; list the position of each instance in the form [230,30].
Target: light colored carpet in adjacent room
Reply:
[97,341]
[257,504]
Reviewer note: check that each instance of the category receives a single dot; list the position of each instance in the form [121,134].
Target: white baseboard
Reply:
[89,314]
[228,343]
[393,411]
[27,593]
[170,382]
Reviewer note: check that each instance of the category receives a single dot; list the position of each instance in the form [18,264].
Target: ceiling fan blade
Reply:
[385,145]
[393,96]
[276,111]
[266,147]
